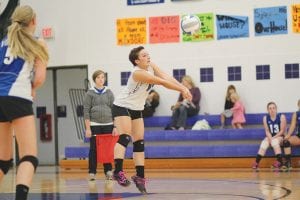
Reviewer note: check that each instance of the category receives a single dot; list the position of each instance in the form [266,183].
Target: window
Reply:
[124,77]
[292,70]
[178,74]
[234,73]
[262,72]
[207,74]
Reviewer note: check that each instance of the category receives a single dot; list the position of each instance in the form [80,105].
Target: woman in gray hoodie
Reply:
[98,120]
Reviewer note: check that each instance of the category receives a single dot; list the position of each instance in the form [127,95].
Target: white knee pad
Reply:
[275,142]
[264,144]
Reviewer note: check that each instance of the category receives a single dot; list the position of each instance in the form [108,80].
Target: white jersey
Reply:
[134,95]
[15,74]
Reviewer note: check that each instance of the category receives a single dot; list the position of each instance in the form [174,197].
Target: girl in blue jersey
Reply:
[290,139]
[275,126]
[127,112]
[23,61]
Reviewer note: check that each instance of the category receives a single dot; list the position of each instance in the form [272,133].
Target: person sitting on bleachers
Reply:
[290,139]
[184,108]
[238,111]
[227,113]
[151,104]
[275,126]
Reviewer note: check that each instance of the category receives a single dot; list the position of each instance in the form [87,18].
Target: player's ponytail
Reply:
[21,42]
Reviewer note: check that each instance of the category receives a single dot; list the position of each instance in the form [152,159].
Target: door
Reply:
[53,101]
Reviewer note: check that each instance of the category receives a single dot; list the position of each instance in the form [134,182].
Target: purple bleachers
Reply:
[207,135]
[213,120]
[194,144]
[193,151]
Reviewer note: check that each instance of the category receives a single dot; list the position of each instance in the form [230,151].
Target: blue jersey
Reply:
[15,74]
[274,125]
[298,123]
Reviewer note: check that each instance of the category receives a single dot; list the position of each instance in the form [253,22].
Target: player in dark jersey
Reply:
[275,126]
[23,61]
[290,139]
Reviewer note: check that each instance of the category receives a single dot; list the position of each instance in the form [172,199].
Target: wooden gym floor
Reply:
[54,183]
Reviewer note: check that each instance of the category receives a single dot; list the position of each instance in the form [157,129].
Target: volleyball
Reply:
[190,24]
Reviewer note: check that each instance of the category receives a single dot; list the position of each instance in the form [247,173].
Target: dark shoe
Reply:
[140,183]
[121,179]
[286,166]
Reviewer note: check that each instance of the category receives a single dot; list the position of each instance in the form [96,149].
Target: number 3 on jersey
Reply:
[8,58]
[274,128]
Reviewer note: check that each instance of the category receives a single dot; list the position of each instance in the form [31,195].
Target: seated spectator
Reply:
[184,108]
[290,139]
[238,111]
[275,126]
[227,113]
[151,104]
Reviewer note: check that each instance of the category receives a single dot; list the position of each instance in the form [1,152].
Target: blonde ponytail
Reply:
[20,41]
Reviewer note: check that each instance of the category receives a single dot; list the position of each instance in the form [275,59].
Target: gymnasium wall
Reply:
[85,33]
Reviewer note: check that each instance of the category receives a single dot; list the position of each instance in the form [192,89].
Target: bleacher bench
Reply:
[179,151]
[194,144]
[213,120]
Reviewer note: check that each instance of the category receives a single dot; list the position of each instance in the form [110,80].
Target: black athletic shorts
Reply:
[102,129]
[121,111]
[13,108]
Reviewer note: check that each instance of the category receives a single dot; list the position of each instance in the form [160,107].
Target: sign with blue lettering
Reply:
[139,2]
[229,27]
[270,21]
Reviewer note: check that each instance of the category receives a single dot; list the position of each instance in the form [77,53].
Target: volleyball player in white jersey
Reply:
[23,61]
[127,112]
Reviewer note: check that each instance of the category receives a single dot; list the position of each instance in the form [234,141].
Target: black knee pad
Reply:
[138,146]
[124,140]
[286,143]
[5,165]
[32,159]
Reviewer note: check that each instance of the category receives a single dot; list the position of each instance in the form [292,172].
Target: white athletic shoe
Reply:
[109,175]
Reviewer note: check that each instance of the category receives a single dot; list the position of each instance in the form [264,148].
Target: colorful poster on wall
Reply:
[198,27]
[296,18]
[139,2]
[270,21]
[131,31]
[164,29]
[229,27]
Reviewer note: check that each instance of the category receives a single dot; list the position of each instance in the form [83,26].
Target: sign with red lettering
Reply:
[47,33]
[164,29]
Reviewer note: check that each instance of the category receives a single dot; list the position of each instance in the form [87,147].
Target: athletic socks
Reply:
[279,158]
[118,165]
[21,192]
[140,171]
[258,158]
[107,167]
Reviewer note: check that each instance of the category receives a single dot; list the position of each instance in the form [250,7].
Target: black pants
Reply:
[98,130]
